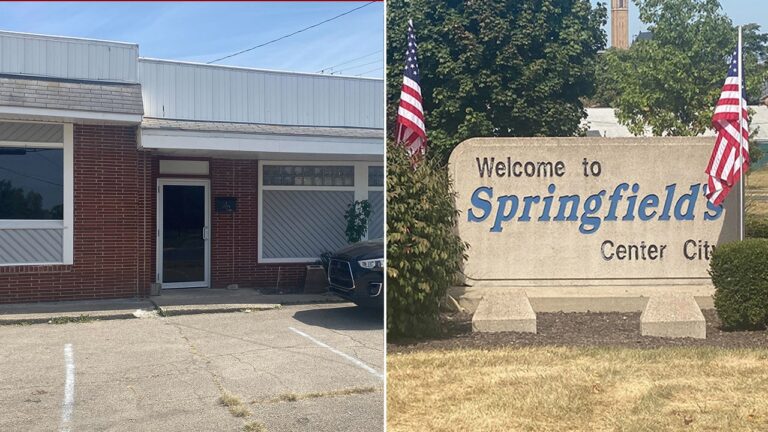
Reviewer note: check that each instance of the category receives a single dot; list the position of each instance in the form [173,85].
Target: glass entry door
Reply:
[183,235]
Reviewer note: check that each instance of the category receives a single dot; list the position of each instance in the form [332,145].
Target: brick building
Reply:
[118,172]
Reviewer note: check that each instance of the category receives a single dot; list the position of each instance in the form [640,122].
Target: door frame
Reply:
[206,183]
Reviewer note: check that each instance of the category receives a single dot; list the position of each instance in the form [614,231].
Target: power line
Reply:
[372,70]
[45,158]
[349,61]
[355,67]
[292,34]
[29,176]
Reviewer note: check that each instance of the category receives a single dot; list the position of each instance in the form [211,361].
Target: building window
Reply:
[376,176]
[31,183]
[301,207]
[36,193]
[311,175]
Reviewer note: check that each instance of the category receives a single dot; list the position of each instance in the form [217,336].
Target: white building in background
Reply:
[122,172]
[603,122]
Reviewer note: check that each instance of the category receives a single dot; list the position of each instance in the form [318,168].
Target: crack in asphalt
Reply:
[258,371]
[357,341]
[137,396]
[234,356]
[207,363]
[344,392]
[291,349]
[94,381]
[196,354]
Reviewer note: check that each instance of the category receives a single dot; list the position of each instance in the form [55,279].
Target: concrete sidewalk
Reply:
[206,300]
[170,302]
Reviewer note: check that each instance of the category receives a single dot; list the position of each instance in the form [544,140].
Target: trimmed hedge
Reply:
[424,254]
[740,274]
[756,226]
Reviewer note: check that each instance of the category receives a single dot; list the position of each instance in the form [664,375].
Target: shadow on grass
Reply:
[449,326]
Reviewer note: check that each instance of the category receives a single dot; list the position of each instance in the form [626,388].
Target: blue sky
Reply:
[740,12]
[202,32]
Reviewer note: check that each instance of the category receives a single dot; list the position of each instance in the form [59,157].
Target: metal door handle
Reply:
[205,233]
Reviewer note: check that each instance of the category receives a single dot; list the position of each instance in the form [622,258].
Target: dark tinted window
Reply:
[375,176]
[31,183]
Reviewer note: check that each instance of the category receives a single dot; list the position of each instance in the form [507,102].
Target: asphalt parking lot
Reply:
[298,368]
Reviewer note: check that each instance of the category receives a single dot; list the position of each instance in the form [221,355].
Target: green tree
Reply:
[15,203]
[424,253]
[671,82]
[606,82]
[357,216]
[497,67]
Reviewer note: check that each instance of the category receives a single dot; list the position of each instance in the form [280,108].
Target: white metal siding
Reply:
[23,246]
[303,224]
[214,93]
[68,58]
[376,221]
[31,132]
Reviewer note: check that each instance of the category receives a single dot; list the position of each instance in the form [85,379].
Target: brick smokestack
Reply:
[620,24]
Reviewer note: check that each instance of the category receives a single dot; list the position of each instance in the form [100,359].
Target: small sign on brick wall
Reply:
[226,204]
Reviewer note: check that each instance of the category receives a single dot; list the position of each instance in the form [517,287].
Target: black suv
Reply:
[356,273]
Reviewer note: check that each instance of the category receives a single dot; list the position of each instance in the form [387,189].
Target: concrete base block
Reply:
[510,311]
[584,298]
[673,316]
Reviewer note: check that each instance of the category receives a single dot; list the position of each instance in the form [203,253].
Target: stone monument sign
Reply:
[588,211]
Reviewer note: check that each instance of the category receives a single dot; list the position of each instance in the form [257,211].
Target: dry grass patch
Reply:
[288,397]
[240,411]
[229,400]
[757,185]
[585,389]
[254,426]
[757,208]
[758,179]
[294,397]
[235,405]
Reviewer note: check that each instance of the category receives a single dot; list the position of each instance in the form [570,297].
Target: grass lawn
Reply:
[757,183]
[758,179]
[578,389]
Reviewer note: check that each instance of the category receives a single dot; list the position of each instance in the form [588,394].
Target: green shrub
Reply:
[740,274]
[357,215]
[756,226]
[424,253]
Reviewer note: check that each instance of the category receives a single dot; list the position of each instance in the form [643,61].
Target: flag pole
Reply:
[741,137]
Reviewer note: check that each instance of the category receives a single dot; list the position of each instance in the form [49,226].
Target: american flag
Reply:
[730,157]
[410,115]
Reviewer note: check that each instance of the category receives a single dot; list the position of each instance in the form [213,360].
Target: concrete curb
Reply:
[63,318]
[148,309]
[308,302]
[178,310]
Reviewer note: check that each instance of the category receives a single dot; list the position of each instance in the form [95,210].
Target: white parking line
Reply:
[69,389]
[357,362]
